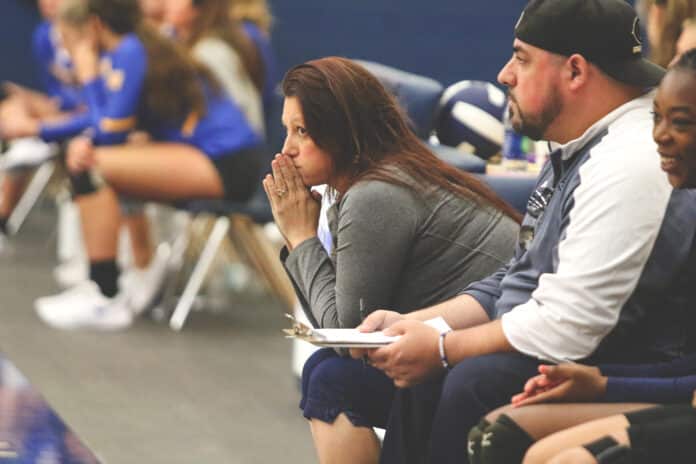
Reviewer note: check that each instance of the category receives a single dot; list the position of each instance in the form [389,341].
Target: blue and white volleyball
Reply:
[471,117]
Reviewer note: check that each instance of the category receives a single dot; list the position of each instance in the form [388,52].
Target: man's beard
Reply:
[535,127]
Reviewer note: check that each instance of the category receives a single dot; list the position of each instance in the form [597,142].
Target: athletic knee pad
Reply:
[86,183]
[504,442]
[82,184]
[473,446]
[608,451]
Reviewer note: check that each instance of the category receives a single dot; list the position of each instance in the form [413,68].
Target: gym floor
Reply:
[220,391]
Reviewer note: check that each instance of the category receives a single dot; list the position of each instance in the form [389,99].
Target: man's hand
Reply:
[563,383]
[377,320]
[412,358]
[380,320]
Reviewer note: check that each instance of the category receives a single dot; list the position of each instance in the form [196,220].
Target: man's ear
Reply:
[577,71]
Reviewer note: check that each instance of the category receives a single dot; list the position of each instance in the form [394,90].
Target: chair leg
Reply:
[179,246]
[263,257]
[183,307]
[239,238]
[31,195]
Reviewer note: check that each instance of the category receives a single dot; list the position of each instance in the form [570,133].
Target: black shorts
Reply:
[240,173]
[663,434]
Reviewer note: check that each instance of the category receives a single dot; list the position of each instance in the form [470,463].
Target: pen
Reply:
[363,315]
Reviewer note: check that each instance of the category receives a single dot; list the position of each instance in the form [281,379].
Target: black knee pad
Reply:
[608,451]
[86,182]
[504,442]
[473,445]
[82,184]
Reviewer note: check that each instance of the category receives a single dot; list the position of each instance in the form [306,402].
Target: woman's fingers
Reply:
[291,175]
[278,178]
[265,182]
[270,188]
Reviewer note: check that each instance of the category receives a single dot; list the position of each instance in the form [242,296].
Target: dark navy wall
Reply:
[449,40]
[17,21]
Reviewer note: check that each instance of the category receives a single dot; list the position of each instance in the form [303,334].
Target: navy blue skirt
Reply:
[332,384]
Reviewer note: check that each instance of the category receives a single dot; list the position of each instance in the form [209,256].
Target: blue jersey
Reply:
[113,98]
[115,108]
[55,68]
[222,131]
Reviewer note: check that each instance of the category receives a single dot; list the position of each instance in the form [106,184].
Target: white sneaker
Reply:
[28,152]
[84,306]
[72,272]
[144,285]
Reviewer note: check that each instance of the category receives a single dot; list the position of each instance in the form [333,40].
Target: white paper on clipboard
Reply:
[348,338]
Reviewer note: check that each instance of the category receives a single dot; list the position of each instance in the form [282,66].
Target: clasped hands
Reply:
[295,207]
[568,382]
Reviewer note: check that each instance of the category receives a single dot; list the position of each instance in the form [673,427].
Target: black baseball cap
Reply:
[605,32]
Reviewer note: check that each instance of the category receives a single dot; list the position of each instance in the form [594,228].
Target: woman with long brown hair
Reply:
[408,231]
[200,143]
[664,26]
[220,43]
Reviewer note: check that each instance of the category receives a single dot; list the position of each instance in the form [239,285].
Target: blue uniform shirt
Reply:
[113,98]
[222,131]
[55,68]
[114,101]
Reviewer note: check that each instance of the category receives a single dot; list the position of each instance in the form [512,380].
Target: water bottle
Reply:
[514,153]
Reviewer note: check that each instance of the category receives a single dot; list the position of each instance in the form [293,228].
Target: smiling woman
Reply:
[675,122]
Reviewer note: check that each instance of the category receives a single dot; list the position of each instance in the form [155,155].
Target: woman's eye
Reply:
[682,122]
[301,130]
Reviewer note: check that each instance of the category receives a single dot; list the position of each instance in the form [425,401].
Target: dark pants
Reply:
[429,423]
[663,434]
[332,385]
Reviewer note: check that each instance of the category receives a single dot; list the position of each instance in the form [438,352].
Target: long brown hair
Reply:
[172,87]
[255,11]
[350,115]
[215,19]
[674,13]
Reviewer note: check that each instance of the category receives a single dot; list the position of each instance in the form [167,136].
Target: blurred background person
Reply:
[201,145]
[24,110]
[687,38]
[220,43]
[255,12]
[154,12]
[665,19]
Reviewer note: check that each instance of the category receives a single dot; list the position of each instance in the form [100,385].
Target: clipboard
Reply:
[336,338]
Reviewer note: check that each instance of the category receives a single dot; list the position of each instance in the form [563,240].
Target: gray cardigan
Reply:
[396,248]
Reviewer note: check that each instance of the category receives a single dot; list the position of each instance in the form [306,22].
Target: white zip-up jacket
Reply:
[602,275]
